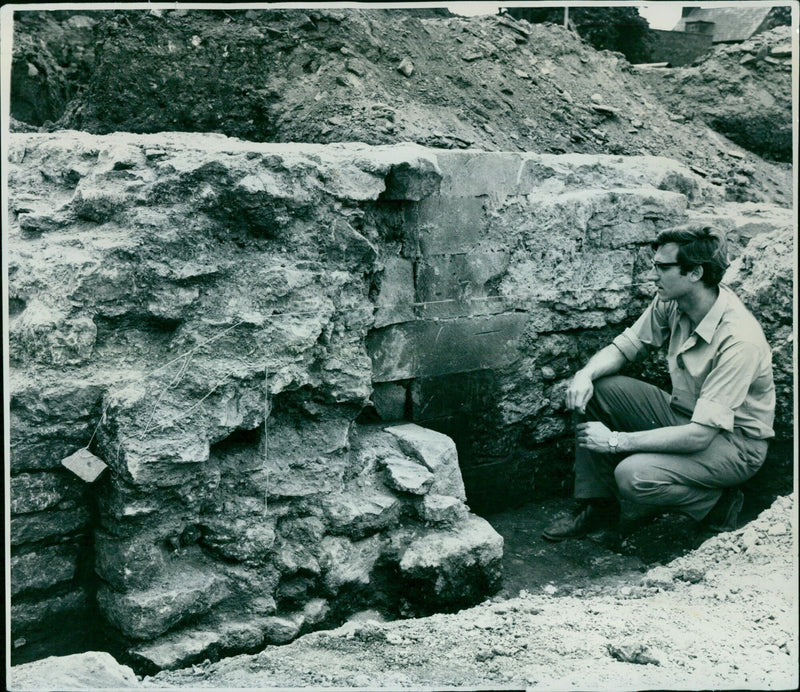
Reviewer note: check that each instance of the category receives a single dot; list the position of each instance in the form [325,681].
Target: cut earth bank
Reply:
[170,292]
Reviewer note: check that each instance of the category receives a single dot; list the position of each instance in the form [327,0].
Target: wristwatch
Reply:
[613,441]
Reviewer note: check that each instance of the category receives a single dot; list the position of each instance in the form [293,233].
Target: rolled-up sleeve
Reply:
[726,386]
[651,329]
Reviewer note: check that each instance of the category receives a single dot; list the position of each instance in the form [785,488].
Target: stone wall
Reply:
[678,47]
[303,365]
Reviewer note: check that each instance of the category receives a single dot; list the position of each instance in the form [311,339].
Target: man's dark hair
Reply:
[698,246]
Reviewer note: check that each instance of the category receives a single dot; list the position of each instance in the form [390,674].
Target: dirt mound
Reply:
[384,76]
[53,58]
[743,91]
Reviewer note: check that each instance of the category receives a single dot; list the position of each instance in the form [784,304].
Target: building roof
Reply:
[730,23]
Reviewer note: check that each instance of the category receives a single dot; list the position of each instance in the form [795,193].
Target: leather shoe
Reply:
[590,518]
[724,516]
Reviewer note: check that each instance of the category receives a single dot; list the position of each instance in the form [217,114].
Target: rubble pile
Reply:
[743,91]
[383,76]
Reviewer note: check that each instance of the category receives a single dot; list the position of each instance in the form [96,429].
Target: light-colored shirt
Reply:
[721,370]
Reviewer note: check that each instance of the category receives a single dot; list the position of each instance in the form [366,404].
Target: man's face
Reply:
[666,274]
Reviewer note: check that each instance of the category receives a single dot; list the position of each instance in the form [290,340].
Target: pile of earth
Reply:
[742,90]
[721,617]
[385,76]
[52,61]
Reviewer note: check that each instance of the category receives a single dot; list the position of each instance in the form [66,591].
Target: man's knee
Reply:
[636,477]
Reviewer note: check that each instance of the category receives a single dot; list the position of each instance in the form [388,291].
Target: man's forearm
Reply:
[678,439]
[606,361]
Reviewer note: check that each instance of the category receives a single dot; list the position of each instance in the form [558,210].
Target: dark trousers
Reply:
[647,483]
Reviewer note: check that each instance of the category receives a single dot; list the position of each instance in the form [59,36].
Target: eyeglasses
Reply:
[661,266]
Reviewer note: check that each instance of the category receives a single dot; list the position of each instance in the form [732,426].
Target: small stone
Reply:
[406,67]
[597,98]
[604,110]
[550,589]
[196,41]
[777,530]
[691,575]
[407,475]
[632,653]
[548,373]
[749,539]
[355,67]
[783,50]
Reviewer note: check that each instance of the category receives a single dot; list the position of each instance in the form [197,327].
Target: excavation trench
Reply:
[325,380]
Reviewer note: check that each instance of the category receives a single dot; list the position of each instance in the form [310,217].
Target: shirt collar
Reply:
[708,325]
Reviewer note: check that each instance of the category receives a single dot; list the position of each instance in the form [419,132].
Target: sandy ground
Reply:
[721,617]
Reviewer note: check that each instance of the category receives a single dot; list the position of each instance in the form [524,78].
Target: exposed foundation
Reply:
[306,367]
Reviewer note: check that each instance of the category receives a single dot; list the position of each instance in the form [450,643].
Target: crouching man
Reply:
[644,451]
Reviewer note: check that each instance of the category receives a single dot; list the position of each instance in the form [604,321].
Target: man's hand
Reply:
[593,436]
[579,392]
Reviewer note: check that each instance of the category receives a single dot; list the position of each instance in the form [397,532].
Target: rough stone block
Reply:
[177,649]
[35,492]
[346,562]
[407,476]
[186,646]
[473,173]
[389,399]
[442,511]
[85,465]
[624,217]
[358,514]
[43,568]
[49,420]
[31,615]
[281,630]
[87,671]
[29,528]
[437,452]
[444,225]
[315,611]
[413,180]
[162,459]
[395,299]
[427,348]
[461,280]
[455,565]
[128,563]
[45,334]
[243,540]
[149,613]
